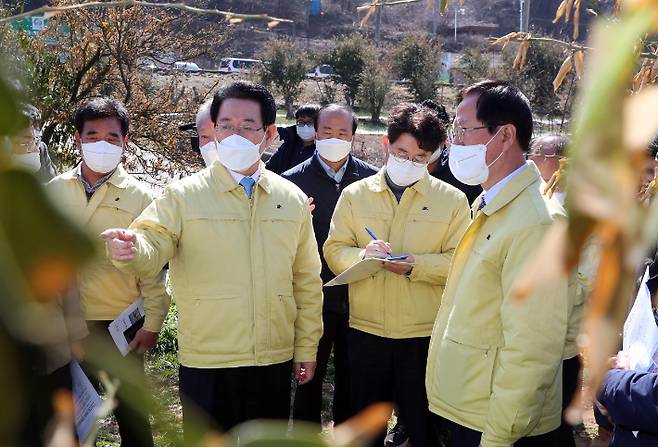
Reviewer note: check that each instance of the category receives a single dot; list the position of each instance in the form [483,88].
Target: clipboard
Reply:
[363,269]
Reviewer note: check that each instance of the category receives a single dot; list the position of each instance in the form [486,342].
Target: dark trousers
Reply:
[392,370]
[308,398]
[41,411]
[132,418]
[570,382]
[227,397]
[460,436]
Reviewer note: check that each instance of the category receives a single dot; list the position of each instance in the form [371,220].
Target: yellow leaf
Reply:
[560,11]
[235,21]
[566,67]
[578,63]
[371,11]
[272,24]
[617,9]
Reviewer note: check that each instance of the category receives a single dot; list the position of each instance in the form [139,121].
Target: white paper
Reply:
[361,270]
[126,319]
[87,402]
[641,332]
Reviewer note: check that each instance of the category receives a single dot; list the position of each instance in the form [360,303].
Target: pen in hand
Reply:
[372,235]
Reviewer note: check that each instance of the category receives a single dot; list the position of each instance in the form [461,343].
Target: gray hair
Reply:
[203,114]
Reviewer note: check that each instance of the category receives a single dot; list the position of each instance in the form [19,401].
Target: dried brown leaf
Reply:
[578,61]
[370,12]
[576,20]
[617,9]
[506,38]
[273,24]
[560,11]
[566,67]
[567,13]
[235,21]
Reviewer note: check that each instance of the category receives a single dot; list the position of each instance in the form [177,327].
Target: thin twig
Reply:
[383,3]
[124,3]
[570,45]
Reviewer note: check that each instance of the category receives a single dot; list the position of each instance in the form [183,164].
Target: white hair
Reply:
[203,114]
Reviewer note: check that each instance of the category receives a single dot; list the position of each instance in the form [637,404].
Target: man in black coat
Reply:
[323,177]
[298,140]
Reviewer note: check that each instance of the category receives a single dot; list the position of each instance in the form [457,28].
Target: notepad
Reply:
[363,269]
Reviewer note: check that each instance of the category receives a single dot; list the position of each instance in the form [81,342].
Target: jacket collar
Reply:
[225,181]
[515,187]
[120,178]
[377,183]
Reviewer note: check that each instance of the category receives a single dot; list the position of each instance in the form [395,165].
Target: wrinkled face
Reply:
[241,117]
[104,129]
[206,132]
[25,142]
[545,155]
[334,124]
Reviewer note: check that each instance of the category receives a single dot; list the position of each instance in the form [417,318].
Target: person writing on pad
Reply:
[392,311]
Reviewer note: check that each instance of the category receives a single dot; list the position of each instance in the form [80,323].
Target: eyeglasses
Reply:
[229,128]
[544,156]
[404,158]
[458,132]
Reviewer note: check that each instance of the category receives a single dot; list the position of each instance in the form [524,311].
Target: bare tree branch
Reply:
[53,10]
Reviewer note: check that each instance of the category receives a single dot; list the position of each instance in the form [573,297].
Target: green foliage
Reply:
[348,59]
[475,66]
[536,78]
[417,59]
[284,71]
[375,85]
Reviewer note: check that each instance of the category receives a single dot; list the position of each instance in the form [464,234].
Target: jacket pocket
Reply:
[464,375]
[283,313]
[214,325]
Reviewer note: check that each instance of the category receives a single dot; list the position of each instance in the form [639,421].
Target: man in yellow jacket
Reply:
[392,312]
[99,194]
[494,365]
[244,269]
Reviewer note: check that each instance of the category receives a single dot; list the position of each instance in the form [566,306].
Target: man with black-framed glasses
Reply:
[392,312]
[244,269]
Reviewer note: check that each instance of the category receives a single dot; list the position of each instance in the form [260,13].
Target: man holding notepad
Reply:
[407,213]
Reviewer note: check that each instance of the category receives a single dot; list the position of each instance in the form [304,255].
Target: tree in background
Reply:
[375,85]
[535,79]
[417,60]
[475,66]
[106,52]
[348,58]
[284,71]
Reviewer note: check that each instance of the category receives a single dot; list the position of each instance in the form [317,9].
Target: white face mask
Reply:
[435,155]
[306,132]
[101,156]
[469,163]
[403,173]
[209,153]
[30,162]
[237,153]
[333,149]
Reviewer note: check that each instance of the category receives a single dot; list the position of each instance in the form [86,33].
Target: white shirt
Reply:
[495,189]
[238,177]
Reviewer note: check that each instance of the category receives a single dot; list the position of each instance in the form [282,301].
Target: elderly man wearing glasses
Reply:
[546,152]
[244,270]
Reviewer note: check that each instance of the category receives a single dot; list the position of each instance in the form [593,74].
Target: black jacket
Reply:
[442,172]
[314,181]
[291,152]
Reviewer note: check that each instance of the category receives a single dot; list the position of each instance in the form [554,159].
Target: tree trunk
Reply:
[374,115]
[290,113]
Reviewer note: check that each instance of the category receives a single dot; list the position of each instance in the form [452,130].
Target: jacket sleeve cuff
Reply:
[152,324]
[304,354]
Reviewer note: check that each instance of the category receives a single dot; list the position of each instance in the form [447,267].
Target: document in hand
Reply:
[641,332]
[361,270]
[87,402]
[126,325]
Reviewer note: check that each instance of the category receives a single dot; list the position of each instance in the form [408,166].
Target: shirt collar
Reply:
[492,192]
[90,189]
[238,177]
[337,176]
